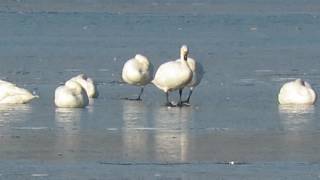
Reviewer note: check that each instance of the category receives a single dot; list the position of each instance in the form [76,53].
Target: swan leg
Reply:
[187,102]
[139,97]
[180,98]
[136,99]
[168,103]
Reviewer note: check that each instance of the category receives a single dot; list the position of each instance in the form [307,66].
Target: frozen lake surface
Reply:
[234,128]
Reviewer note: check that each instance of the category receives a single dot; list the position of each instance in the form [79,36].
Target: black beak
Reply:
[185,57]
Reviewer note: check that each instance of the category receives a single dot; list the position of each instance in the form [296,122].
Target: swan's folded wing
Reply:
[9,93]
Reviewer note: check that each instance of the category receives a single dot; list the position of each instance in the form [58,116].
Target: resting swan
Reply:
[137,71]
[71,95]
[11,94]
[174,75]
[297,92]
[87,84]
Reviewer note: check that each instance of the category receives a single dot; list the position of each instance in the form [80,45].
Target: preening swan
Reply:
[174,75]
[138,71]
[297,92]
[197,74]
[87,84]
[71,95]
[11,94]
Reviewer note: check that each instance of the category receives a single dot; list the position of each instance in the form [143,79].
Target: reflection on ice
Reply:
[296,109]
[134,114]
[68,118]
[172,146]
[172,118]
[91,102]
[134,118]
[296,117]
[160,134]
[14,108]
[67,141]
[10,113]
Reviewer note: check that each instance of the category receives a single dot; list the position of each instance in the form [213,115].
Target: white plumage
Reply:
[11,94]
[87,84]
[138,71]
[174,75]
[71,95]
[297,92]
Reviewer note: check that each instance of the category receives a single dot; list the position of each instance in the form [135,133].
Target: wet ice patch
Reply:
[73,70]
[282,79]
[174,130]
[30,128]
[22,72]
[232,163]
[103,70]
[263,71]
[39,175]
[112,129]
[198,4]
[153,129]
[217,129]
[246,82]
[253,28]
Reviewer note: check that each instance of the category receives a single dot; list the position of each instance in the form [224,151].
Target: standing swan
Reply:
[138,71]
[197,74]
[87,84]
[297,92]
[11,94]
[71,95]
[174,75]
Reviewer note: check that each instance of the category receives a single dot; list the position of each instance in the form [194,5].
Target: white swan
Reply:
[197,74]
[71,95]
[11,94]
[174,75]
[138,71]
[87,84]
[297,92]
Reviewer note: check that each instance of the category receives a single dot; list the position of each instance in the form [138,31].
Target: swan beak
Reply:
[185,57]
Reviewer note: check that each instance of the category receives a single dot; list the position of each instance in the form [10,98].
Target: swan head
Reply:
[184,52]
[91,88]
[87,84]
[82,76]
[303,84]
[300,82]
